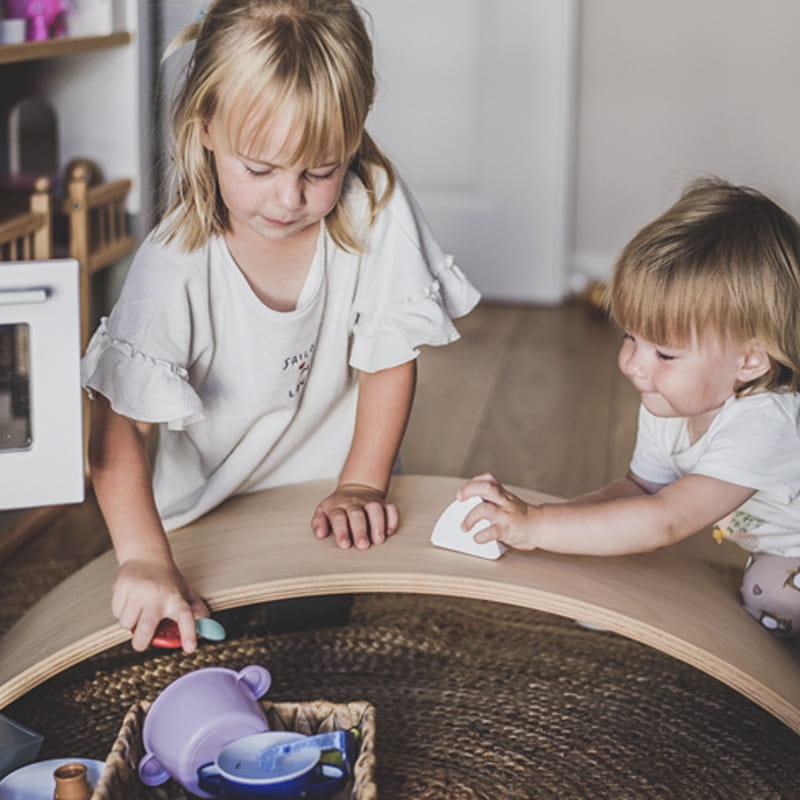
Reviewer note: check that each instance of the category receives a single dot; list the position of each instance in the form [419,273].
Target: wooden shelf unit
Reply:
[98,86]
[63,46]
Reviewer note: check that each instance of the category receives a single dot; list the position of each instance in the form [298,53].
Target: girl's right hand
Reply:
[145,592]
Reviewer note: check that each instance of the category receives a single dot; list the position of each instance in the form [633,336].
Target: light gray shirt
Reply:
[247,397]
[753,441]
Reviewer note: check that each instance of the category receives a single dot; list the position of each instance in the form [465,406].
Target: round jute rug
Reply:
[473,700]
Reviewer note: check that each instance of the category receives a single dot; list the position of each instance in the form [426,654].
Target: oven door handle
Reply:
[16,297]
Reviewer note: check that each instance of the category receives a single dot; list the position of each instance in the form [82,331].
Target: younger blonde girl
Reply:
[708,297]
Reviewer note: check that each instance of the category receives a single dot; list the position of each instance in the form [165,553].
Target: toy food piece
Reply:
[72,782]
[168,634]
[209,629]
[36,781]
[447,532]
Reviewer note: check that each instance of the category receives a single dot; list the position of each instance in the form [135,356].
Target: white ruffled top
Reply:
[248,397]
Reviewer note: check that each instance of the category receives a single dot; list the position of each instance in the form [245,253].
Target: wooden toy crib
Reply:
[96,229]
[98,233]
[27,235]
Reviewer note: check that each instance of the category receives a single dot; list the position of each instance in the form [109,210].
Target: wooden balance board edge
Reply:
[259,547]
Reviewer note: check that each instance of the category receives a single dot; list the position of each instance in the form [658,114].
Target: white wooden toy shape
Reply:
[448,532]
[259,547]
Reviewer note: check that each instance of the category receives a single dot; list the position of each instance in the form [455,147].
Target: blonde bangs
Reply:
[646,304]
[277,71]
[722,262]
[249,112]
[668,297]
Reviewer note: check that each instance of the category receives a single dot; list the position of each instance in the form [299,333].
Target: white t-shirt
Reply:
[248,397]
[753,441]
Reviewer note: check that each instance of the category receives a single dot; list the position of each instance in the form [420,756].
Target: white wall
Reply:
[673,89]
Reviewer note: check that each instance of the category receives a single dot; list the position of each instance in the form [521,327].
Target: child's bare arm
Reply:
[148,586]
[622,524]
[629,486]
[357,512]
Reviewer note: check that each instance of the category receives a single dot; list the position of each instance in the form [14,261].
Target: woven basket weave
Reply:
[120,780]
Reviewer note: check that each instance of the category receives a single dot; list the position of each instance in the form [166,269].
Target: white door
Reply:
[475,107]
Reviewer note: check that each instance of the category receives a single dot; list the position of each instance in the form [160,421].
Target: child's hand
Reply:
[510,518]
[355,514]
[145,592]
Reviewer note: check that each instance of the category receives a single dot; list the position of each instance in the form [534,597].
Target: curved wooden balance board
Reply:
[259,547]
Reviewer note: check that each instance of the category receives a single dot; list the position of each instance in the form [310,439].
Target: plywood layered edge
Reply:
[259,547]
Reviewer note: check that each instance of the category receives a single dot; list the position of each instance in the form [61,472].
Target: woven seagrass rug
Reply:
[474,700]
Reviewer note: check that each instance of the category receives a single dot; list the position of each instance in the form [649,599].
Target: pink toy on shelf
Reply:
[46,18]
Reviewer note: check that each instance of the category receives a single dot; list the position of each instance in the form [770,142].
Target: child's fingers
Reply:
[481,511]
[490,534]
[319,524]
[340,526]
[376,515]
[335,522]
[495,493]
[117,603]
[144,630]
[392,518]
[480,486]
[198,605]
[186,625]
[118,609]
[357,520]
[124,605]
[485,476]
[384,519]
[127,612]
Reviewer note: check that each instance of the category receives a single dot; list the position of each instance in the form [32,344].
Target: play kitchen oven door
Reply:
[41,442]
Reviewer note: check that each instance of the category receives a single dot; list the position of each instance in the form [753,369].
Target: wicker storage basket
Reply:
[120,779]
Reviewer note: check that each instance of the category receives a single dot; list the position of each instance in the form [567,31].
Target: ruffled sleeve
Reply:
[137,385]
[409,291]
[140,354]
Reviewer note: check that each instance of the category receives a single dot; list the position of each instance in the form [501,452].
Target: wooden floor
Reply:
[532,395]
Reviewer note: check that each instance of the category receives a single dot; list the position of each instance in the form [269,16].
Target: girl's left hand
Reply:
[356,515]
